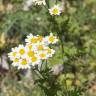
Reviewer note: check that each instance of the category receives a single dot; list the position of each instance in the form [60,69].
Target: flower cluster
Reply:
[33,52]
[55,10]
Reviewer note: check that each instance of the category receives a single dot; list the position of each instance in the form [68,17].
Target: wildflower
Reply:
[31,39]
[33,52]
[29,46]
[15,62]
[39,2]
[29,3]
[55,10]
[23,64]
[50,52]
[51,39]
[35,60]
[43,55]
[40,38]
[21,50]
[13,54]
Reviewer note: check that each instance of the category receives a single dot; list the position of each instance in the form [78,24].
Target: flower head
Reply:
[50,52]
[31,39]
[13,54]
[39,2]
[55,10]
[43,55]
[51,39]
[35,60]
[23,63]
[21,50]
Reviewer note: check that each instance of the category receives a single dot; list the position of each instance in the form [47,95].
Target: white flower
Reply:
[40,47]
[35,40]
[50,52]
[35,60]
[21,50]
[31,39]
[55,10]
[13,54]
[51,39]
[15,62]
[29,3]
[43,55]
[39,2]
[23,64]
[29,46]
[29,53]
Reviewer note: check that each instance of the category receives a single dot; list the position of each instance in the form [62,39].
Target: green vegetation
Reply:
[76,30]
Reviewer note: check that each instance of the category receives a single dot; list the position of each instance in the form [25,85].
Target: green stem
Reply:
[56,1]
[47,3]
[46,65]
[41,66]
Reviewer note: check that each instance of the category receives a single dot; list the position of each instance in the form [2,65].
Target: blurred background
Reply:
[78,28]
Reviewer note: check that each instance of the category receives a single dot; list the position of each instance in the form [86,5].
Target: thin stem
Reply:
[56,1]
[41,66]
[46,65]
[47,3]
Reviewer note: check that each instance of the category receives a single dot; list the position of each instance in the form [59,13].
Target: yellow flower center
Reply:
[34,59]
[42,55]
[16,60]
[30,53]
[34,40]
[51,38]
[40,38]
[21,51]
[14,54]
[55,11]
[24,62]
[40,47]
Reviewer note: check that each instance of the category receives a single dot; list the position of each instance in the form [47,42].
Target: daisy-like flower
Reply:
[55,10]
[21,50]
[23,64]
[51,39]
[50,52]
[35,60]
[29,46]
[13,54]
[30,53]
[39,2]
[31,39]
[40,47]
[15,62]
[43,55]
[40,38]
